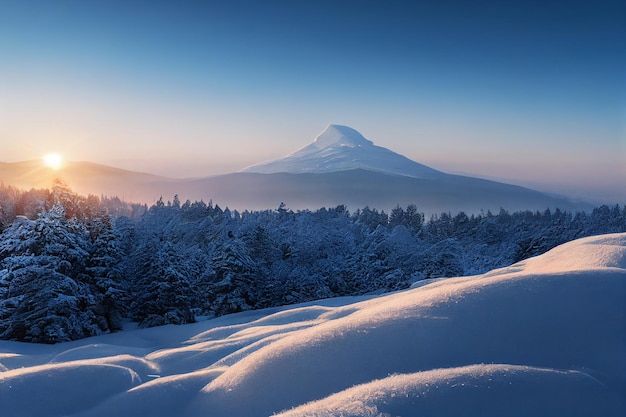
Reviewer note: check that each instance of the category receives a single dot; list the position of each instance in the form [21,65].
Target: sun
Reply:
[53,160]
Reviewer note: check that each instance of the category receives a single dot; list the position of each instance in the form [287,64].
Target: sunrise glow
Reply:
[53,160]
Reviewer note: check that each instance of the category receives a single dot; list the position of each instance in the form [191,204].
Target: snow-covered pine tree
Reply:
[46,298]
[105,273]
[233,287]
[443,259]
[162,293]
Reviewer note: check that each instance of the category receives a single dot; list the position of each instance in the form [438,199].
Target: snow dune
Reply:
[546,336]
[475,390]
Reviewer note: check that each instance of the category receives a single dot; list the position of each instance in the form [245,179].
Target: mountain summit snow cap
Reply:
[337,135]
[341,148]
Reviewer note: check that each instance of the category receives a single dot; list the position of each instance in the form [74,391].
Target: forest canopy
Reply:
[74,266]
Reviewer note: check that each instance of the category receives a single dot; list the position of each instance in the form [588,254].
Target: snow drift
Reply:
[546,336]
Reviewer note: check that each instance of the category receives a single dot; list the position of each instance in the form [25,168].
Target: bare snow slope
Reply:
[544,337]
[341,148]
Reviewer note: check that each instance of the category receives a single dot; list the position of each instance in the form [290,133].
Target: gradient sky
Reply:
[533,92]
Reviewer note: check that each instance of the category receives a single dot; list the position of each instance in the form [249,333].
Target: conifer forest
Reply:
[74,266]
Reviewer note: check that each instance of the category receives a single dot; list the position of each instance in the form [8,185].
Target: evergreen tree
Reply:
[443,259]
[233,287]
[46,298]
[105,273]
[162,293]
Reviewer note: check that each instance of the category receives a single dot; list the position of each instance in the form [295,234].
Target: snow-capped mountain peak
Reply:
[337,135]
[341,148]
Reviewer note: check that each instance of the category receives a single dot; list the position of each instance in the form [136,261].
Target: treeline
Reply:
[65,276]
[30,203]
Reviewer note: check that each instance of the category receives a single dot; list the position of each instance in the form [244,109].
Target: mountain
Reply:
[341,148]
[543,337]
[340,167]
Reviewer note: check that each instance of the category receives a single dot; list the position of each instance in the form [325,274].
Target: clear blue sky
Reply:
[529,91]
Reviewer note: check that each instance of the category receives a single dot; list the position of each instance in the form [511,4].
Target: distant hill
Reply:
[339,167]
[87,178]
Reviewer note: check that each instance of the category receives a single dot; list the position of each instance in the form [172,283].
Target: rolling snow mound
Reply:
[543,337]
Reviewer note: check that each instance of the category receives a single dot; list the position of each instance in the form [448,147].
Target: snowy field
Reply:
[544,337]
